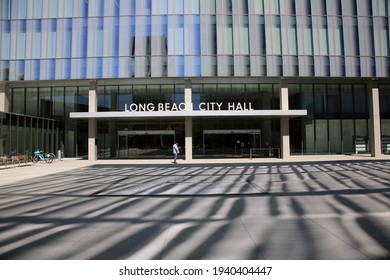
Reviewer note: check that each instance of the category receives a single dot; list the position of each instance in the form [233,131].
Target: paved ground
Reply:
[311,208]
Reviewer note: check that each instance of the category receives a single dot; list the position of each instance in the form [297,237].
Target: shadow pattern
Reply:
[328,210]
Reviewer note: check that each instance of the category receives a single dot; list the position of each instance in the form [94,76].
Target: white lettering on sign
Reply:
[203,106]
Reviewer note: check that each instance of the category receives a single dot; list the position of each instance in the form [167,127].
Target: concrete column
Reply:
[188,120]
[4,97]
[113,126]
[284,121]
[92,123]
[375,120]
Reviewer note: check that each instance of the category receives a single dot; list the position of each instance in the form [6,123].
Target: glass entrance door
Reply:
[230,142]
[145,143]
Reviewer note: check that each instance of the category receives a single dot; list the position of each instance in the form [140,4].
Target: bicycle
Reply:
[41,156]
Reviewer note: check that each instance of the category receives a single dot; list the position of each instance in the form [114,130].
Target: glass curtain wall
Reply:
[337,118]
[45,40]
[53,103]
[21,134]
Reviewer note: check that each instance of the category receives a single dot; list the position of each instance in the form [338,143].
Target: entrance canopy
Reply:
[185,113]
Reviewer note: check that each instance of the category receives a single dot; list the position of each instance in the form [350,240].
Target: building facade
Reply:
[224,78]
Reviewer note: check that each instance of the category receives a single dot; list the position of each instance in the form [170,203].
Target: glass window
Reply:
[58,102]
[266,96]
[65,8]
[241,35]
[381,36]
[333,99]
[160,7]
[175,7]
[384,95]
[224,94]
[49,38]
[240,7]
[288,32]
[32,101]
[361,128]
[208,94]
[321,136]
[320,98]
[360,99]
[5,9]
[255,7]
[224,7]
[257,35]
[70,100]
[191,35]
[238,93]
[175,66]
[287,7]
[320,38]
[79,37]
[208,35]
[225,65]
[271,7]
[21,40]
[111,93]
[304,36]
[346,99]
[191,7]
[95,37]
[335,136]
[159,33]
[5,32]
[347,134]
[192,66]
[44,104]
[143,7]
[379,7]
[82,99]
[110,67]
[207,6]
[336,46]
[126,36]
[96,8]
[127,7]
[111,8]
[80,8]
[252,95]
[18,100]
[224,35]
[110,36]
[273,35]
[175,35]
[208,65]
[19,9]
[124,97]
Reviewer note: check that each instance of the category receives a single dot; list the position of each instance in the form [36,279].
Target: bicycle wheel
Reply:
[53,156]
[49,159]
[35,159]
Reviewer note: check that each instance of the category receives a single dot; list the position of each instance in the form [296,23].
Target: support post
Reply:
[284,121]
[188,120]
[375,122]
[92,123]
[4,97]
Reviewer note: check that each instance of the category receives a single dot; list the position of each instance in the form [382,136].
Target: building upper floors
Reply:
[58,39]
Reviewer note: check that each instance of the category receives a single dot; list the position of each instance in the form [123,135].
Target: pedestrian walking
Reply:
[175,151]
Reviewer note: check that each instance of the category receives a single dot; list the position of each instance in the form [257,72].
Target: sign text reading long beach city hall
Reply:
[203,106]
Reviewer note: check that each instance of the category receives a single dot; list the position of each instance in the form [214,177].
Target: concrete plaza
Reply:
[304,208]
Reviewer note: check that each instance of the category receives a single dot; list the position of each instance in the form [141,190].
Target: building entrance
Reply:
[230,142]
[145,143]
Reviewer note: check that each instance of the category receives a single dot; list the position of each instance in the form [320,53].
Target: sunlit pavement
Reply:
[306,208]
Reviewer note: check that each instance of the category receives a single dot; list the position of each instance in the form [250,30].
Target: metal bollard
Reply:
[59,155]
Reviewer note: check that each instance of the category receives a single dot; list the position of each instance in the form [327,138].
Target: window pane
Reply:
[32,101]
